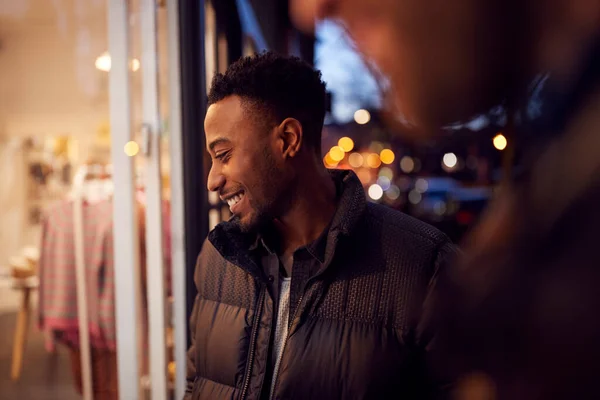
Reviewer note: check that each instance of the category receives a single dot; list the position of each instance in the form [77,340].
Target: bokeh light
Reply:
[500,142]
[421,185]
[346,144]
[329,162]
[407,165]
[131,148]
[393,193]
[373,160]
[362,117]
[450,160]
[337,154]
[414,197]
[356,160]
[387,156]
[384,182]
[387,172]
[375,192]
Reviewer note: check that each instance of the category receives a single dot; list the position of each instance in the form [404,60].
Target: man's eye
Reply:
[222,156]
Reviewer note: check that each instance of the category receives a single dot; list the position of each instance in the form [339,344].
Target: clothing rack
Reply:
[86,174]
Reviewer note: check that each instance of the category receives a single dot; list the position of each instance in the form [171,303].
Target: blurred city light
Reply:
[417,164]
[421,185]
[376,147]
[356,160]
[439,208]
[384,182]
[393,193]
[450,160]
[346,144]
[375,192]
[414,197]
[362,117]
[131,148]
[337,154]
[500,142]
[387,172]
[387,156]
[373,160]
[329,162]
[407,165]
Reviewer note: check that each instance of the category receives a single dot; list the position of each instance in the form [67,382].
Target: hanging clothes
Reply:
[58,292]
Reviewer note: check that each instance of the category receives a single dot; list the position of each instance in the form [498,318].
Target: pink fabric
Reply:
[57,311]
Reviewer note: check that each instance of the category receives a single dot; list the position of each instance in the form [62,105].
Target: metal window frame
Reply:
[125,227]
[155,271]
[178,248]
[193,109]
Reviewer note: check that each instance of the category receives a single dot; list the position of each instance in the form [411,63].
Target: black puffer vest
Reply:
[358,330]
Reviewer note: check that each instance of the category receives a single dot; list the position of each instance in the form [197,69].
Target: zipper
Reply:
[291,321]
[253,338]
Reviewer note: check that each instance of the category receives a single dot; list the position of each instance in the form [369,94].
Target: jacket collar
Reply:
[235,246]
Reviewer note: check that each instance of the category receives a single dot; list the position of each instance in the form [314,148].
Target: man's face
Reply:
[445,60]
[246,171]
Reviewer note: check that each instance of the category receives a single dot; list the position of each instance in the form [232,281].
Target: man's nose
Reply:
[216,180]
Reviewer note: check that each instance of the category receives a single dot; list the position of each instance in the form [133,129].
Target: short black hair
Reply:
[282,86]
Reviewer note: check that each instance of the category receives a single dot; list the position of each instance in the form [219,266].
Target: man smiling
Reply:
[308,291]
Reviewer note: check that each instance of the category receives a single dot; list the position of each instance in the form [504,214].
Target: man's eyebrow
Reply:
[217,142]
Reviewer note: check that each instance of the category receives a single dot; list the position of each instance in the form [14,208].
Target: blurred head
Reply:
[449,60]
[263,132]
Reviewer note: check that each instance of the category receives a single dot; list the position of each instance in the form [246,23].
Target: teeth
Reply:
[234,200]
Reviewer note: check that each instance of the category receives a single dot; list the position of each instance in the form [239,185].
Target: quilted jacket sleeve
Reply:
[191,353]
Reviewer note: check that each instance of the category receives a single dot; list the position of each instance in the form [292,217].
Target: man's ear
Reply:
[291,135]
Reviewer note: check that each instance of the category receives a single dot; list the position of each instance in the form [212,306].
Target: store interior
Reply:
[55,146]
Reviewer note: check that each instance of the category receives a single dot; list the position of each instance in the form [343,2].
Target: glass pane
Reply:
[55,142]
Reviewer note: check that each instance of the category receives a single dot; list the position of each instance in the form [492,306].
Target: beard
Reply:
[276,198]
[253,223]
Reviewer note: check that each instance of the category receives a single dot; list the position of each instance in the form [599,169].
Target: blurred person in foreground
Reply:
[519,314]
[294,292]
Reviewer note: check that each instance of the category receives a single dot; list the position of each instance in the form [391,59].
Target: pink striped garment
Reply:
[57,311]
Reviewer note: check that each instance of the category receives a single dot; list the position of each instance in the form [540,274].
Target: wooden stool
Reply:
[26,286]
